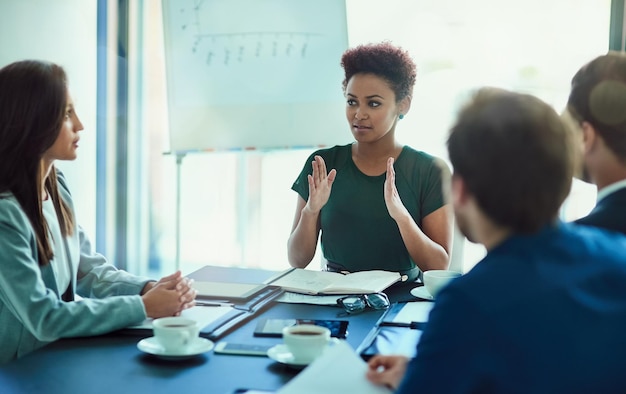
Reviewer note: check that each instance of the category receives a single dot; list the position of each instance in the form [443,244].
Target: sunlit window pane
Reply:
[237,208]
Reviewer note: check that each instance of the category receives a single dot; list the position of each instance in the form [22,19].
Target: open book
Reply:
[305,281]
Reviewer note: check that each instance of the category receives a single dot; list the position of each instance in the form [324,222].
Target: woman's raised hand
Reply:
[320,185]
[394,204]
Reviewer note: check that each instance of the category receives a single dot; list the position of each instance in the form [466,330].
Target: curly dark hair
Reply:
[384,60]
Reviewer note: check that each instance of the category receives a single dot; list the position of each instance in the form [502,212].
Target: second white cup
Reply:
[175,334]
[435,280]
[306,341]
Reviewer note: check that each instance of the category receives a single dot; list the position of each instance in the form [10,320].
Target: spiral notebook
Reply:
[219,319]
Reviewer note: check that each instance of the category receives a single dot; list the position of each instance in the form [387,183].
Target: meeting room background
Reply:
[151,208]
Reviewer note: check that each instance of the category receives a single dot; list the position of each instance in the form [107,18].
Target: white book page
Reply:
[367,281]
[297,298]
[317,282]
[339,370]
[309,280]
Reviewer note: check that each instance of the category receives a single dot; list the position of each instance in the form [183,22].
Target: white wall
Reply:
[64,32]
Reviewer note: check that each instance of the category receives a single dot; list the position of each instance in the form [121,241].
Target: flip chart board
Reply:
[254,74]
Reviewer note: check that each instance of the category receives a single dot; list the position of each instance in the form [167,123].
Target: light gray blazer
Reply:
[32,312]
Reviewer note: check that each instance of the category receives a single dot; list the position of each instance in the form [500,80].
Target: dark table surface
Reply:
[113,364]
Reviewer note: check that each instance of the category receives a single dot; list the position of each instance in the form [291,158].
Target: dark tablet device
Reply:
[242,349]
[274,327]
[393,340]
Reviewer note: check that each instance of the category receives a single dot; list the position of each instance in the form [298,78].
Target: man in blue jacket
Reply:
[597,102]
[545,310]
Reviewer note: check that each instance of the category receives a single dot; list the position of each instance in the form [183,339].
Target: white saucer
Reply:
[152,346]
[280,353]
[421,292]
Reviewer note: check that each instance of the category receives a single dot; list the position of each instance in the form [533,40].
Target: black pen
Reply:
[411,325]
[202,303]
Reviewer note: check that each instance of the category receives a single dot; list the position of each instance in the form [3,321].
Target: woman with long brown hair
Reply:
[45,257]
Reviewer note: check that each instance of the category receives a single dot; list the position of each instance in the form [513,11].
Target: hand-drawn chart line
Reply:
[259,33]
[237,50]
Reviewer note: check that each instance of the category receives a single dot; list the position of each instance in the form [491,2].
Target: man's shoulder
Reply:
[605,233]
[610,213]
[619,195]
[511,268]
[575,251]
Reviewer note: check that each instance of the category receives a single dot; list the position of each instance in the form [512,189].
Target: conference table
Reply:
[112,363]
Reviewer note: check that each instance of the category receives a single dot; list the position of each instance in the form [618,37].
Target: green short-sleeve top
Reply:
[357,231]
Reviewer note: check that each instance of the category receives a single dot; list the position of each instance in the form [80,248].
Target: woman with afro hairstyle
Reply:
[381,205]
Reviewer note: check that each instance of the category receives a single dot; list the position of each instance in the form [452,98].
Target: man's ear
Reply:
[459,191]
[590,137]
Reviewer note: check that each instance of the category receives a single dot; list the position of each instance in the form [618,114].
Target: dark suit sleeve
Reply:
[448,356]
[609,213]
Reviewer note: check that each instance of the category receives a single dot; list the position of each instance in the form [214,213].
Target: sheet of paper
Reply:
[312,281]
[296,298]
[204,315]
[414,312]
[338,371]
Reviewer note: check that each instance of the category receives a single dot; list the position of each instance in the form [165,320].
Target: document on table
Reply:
[323,375]
[204,315]
[297,298]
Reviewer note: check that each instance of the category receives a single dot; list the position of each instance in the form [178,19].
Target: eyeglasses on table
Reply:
[357,303]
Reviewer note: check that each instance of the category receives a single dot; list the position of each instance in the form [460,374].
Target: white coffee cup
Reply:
[175,334]
[306,341]
[435,280]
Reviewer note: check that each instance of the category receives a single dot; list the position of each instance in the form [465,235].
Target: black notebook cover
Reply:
[240,313]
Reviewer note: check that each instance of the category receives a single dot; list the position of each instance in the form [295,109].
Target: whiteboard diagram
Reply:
[223,52]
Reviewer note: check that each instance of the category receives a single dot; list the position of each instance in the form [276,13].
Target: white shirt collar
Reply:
[611,189]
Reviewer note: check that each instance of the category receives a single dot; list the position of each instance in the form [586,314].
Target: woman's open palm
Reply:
[320,185]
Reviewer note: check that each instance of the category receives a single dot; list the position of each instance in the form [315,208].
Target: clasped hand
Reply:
[169,296]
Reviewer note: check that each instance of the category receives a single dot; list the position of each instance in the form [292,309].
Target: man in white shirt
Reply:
[597,102]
